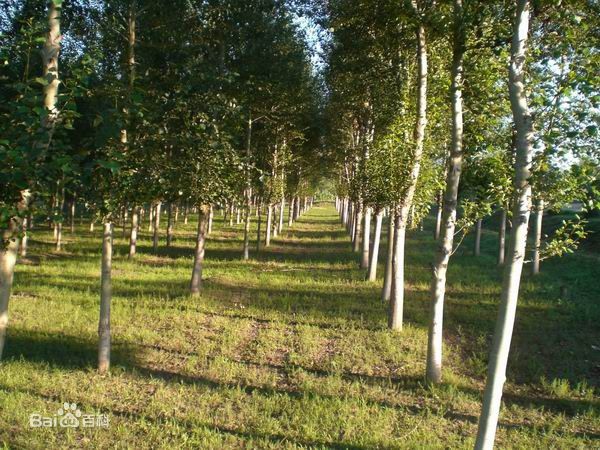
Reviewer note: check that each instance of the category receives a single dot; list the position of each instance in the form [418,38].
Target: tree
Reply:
[518,238]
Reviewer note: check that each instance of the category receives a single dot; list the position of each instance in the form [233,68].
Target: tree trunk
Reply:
[357,228]
[186,213]
[498,360]
[211,217]
[397,298]
[58,226]
[258,226]
[274,226]
[537,240]
[396,313]
[8,259]
[248,189]
[151,217]
[477,249]
[438,219]
[291,211]
[124,222]
[502,237]
[296,208]
[364,261]
[281,211]
[134,231]
[386,292]
[156,227]
[105,299]
[196,282]
[375,248]
[447,207]
[232,209]
[169,224]
[269,225]
[72,218]
[25,238]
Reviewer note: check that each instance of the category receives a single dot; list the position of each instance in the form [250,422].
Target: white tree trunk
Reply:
[537,240]
[364,261]
[105,300]
[211,217]
[386,292]
[72,216]
[8,259]
[396,315]
[438,221]
[258,226]
[269,225]
[281,211]
[134,231]
[490,412]
[156,227]
[169,224]
[375,248]
[25,238]
[447,206]
[291,211]
[397,297]
[196,282]
[477,249]
[502,237]
[357,228]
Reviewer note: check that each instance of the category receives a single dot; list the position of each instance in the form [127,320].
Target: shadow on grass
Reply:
[78,353]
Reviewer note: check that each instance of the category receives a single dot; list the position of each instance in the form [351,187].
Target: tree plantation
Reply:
[300,224]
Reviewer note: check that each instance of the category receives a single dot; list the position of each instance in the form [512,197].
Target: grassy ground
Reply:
[290,349]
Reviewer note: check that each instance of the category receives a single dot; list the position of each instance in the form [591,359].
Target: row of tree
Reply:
[152,105]
[506,121]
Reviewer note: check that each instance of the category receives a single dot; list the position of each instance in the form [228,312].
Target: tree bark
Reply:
[269,225]
[258,226]
[211,217]
[357,228]
[156,227]
[448,206]
[25,238]
[537,240]
[438,220]
[477,249]
[291,211]
[9,247]
[281,211]
[396,315]
[490,412]
[364,261]
[105,300]
[196,282]
[386,292]
[134,231]
[169,224]
[72,217]
[397,297]
[502,237]
[375,248]
[248,189]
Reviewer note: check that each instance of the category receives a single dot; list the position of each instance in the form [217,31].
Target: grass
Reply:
[290,349]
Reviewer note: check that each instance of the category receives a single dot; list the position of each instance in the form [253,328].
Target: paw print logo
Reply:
[69,415]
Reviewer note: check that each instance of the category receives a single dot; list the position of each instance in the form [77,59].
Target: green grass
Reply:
[290,349]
